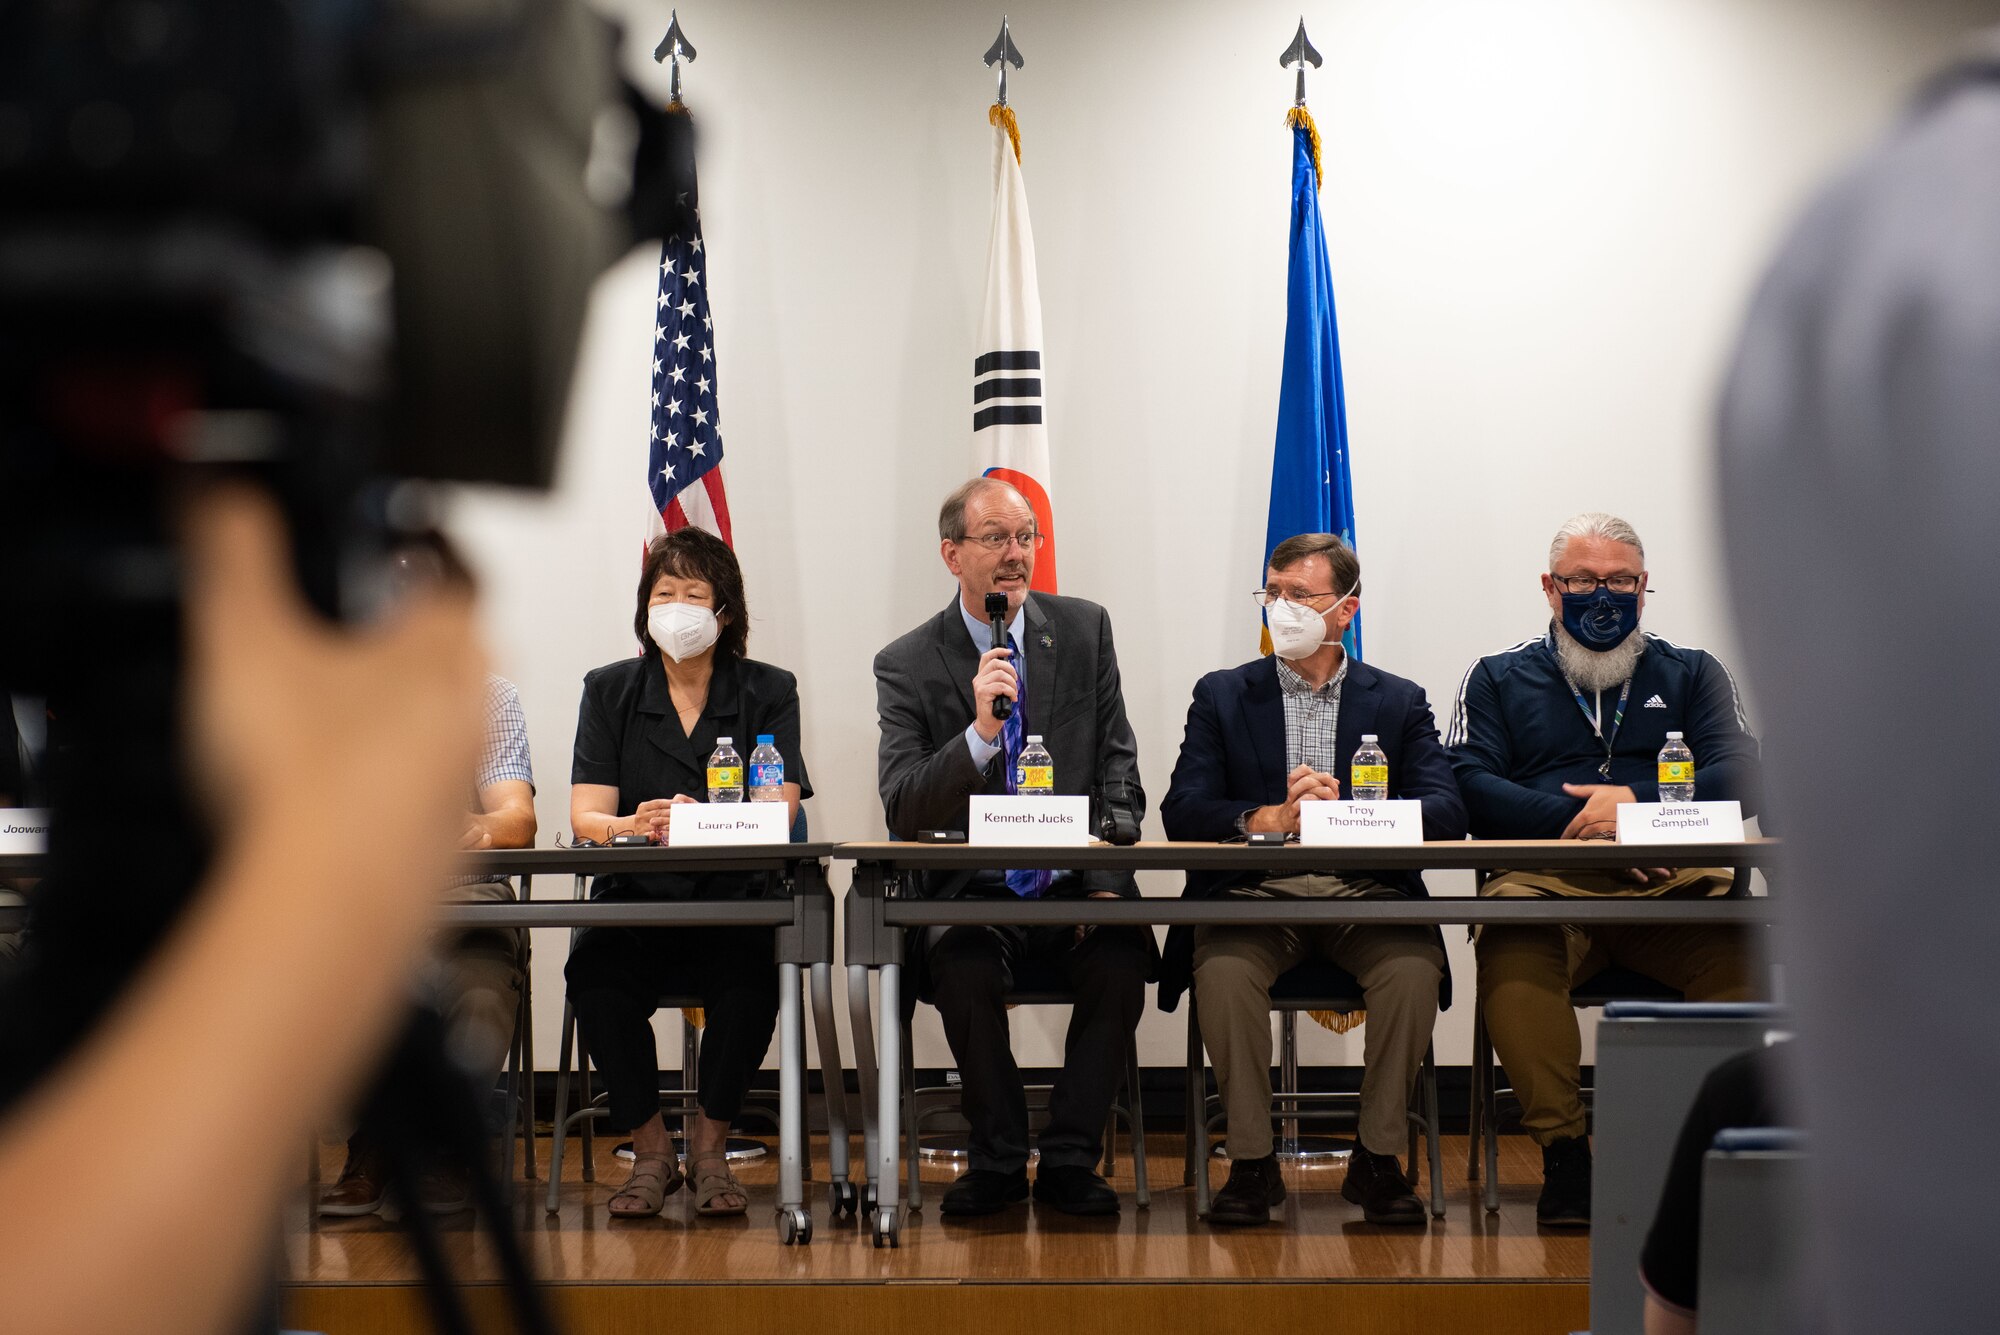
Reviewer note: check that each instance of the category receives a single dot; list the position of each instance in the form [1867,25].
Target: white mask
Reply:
[1296,630]
[682,630]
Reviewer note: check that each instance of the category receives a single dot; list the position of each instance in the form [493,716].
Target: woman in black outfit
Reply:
[643,737]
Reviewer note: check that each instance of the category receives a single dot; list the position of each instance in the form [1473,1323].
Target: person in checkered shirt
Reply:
[475,978]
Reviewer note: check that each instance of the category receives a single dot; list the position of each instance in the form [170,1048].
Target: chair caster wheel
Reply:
[844,1200]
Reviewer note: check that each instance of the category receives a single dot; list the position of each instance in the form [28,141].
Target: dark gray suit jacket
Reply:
[923,696]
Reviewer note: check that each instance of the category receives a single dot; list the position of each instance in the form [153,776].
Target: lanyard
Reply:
[1617,718]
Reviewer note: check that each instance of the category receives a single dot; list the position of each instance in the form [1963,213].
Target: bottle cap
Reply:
[1367,736]
[722,741]
[1673,737]
[764,739]
[1035,737]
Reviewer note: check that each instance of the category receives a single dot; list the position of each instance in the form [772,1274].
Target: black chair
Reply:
[520,1079]
[1601,989]
[1314,985]
[1032,988]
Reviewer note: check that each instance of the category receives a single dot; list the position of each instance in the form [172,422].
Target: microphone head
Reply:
[996,606]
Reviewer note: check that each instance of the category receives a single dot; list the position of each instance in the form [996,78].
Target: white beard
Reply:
[1598,669]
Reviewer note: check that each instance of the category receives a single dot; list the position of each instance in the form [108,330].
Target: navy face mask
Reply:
[1600,620]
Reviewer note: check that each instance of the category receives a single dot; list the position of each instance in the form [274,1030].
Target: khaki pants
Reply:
[1526,973]
[1400,969]
[476,985]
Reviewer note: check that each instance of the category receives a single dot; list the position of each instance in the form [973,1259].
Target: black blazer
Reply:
[1233,759]
[629,736]
[923,697]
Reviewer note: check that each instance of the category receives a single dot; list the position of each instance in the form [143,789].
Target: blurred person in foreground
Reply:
[644,733]
[1860,473]
[474,978]
[294,957]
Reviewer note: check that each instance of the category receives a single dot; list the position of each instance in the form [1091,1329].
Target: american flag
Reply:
[684,461]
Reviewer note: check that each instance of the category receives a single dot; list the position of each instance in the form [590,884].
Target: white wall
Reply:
[1543,218]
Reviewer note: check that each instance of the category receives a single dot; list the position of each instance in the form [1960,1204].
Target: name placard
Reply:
[1680,822]
[1029,820]
[24,830]
[1331,824]
[706,824]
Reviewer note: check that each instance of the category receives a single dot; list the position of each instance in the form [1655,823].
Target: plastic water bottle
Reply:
[1676,770]
[1035,771]
[1368,777]
[767,771]
[725,773]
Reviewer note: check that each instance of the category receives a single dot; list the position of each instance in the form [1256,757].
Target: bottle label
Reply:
[1676,771]
[725,776]
[1371,776]
[766,776]
[1039,778]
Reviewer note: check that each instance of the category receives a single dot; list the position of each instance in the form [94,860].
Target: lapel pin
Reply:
[1048,640]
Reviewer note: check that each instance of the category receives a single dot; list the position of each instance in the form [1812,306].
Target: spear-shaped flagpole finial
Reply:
[1300,53]
[1004,53]
[672,47]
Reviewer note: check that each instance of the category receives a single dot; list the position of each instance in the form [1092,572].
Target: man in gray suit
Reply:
[941,743]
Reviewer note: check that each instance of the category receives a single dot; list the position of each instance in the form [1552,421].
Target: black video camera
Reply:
[325,245]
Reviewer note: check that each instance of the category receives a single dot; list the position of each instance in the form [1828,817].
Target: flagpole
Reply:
[1003,53]
[1291,1147]
[1297,56]
[670,50]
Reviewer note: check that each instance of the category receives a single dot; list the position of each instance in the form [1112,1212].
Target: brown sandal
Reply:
[654,1177]
[709,1184]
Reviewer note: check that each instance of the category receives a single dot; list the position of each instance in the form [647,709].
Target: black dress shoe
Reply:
[1254,1186]
[1565,1200]
[984,1191]
[1375,1182]
[1074,1189]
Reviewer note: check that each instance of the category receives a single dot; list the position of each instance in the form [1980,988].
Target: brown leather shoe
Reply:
[359,1190]
[445,1191]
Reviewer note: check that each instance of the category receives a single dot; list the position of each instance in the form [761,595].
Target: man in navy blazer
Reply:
[1261,739]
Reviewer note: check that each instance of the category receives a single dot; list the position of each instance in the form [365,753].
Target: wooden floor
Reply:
[1154,1269]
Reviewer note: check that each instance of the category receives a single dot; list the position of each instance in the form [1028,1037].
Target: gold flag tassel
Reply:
[998,114]
[1299,119]
[695,1016]
[1339,1021]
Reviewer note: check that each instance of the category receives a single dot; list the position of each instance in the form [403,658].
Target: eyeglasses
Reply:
[1590,583]
[997,542]
[1265,597]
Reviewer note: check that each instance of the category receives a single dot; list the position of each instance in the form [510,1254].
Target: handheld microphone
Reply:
[996,609]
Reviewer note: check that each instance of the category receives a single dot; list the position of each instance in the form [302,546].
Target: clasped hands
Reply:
[1304,784]
[1599,820]
[653,817]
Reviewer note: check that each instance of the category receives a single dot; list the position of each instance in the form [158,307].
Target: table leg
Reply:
[888,1108]
[794,1222]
